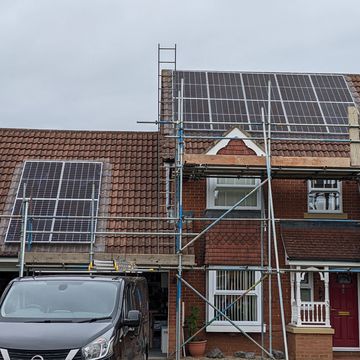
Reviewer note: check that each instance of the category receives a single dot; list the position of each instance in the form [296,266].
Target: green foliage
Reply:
[192,320]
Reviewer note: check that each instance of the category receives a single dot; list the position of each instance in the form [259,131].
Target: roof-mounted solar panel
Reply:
[59,194]
[302,105]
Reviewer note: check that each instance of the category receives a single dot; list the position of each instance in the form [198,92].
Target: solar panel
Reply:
[56,191]
[302,105]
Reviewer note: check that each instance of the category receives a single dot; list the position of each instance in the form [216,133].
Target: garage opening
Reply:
[5,278]
[158,307]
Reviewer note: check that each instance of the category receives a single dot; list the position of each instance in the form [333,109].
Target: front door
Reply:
[344,309]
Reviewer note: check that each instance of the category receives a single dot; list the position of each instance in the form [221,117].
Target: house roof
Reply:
[279,147]
[323,242]
[129,186]
[282,148]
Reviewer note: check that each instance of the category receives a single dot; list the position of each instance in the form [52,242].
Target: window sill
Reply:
[229,328]
[341,216]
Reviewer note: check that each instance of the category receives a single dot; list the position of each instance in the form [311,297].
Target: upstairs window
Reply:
[223,193]
[62,195]
[224,289]
[324,196]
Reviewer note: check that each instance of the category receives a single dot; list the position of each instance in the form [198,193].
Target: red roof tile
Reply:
[129,181]
[321,242]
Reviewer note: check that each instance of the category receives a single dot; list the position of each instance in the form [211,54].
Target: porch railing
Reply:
[312,313]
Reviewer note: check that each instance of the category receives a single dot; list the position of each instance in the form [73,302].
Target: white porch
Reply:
[305,311]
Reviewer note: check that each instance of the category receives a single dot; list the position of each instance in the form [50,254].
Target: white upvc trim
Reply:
[236,132]
[233,329]
[346,349]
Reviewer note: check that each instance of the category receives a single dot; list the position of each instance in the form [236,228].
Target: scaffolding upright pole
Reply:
[179,175]
[92,225]
[267,145]
[273,232]
[25,208]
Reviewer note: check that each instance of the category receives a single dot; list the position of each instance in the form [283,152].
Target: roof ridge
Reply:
[79,131]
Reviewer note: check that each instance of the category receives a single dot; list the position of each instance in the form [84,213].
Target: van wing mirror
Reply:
[132,319]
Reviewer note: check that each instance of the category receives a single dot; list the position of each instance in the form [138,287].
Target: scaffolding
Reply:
[186,165]
[204,166]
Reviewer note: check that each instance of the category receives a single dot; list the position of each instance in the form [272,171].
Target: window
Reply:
[306,288]
[61,201]
[224,288]
[225,192]
[324,196]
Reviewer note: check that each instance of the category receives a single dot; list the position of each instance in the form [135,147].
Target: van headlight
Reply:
[99,348]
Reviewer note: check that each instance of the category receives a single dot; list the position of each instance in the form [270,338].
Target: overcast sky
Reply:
[92,64]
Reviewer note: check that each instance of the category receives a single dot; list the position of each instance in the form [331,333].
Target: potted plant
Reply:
[196,345]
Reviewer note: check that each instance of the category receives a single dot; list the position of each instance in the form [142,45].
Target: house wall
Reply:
[238,243]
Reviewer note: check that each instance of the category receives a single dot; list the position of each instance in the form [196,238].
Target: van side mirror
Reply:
[132,319]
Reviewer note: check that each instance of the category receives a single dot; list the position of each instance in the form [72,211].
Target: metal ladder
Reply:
[103,266]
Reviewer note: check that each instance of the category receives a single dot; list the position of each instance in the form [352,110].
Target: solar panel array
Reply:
[311,104]
[57,191]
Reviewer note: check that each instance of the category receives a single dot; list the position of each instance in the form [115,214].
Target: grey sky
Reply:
[92,64]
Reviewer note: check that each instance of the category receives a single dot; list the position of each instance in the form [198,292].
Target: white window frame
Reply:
[225,326]
[212,186]
[314,189]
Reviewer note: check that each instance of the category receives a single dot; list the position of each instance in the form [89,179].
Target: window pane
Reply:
[324,184]
[245,309]
[237,181]
[324,201]
[234,279]
[229,197]
[305,294]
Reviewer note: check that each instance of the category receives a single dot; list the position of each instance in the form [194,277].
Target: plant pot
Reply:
[197,348]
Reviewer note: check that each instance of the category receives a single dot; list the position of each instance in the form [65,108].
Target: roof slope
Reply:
[129,181]
[201,141]
[327,242]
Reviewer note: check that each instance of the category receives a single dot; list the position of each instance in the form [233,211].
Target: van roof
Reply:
[79,277]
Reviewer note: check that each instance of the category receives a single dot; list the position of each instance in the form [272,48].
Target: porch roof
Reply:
[321,241]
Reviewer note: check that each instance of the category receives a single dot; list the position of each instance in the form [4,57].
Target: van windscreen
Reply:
[55,299]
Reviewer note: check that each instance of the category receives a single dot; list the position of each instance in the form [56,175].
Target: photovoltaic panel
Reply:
[228,111]
[194,84]
[277,115]
[57,190]
[36,208]
[295,87]
[331,88]
[72,227]
[256,86]
[225,86]
[302,105]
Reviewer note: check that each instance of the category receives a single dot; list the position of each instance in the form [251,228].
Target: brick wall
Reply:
[310,346]
[238,243]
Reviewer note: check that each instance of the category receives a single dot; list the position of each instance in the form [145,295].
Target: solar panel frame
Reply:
[51,215]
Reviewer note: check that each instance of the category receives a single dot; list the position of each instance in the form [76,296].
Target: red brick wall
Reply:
[236,147]
[238,243]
